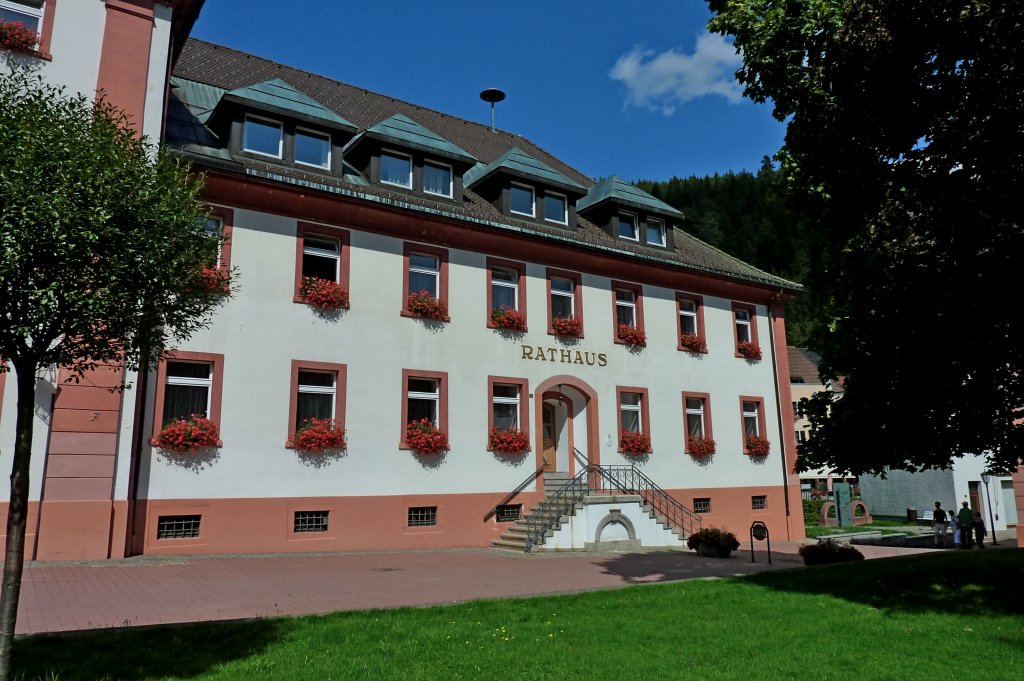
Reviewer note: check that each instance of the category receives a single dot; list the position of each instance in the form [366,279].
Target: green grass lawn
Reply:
[883,526]
[930,617]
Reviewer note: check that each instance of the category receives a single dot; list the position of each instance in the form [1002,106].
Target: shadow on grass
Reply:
[131,654]
[967,583]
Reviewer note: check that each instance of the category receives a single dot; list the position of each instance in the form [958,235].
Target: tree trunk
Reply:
[17,517]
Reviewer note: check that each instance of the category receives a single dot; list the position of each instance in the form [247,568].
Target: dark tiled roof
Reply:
[205,71]
[803,365]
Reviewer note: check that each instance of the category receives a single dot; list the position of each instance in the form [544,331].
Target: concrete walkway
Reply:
[68,596]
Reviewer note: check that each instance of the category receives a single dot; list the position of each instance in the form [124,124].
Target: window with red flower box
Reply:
[634,419]
[317,394]
[628,313]
[744,319]
[425,282]
[755,442]
[508,424]
[699,441]
[189,385]
[425,397]
[27,26]
[690,309]
[322,266]
[565,303]
[506,295]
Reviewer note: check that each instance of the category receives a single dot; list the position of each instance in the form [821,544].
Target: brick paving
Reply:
[147,590]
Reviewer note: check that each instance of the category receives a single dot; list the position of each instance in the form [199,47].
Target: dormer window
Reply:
[312,148]
[628,227]
[437,179]
[555,208]
[263,136]
[396,169]
[655,232]
[521,200]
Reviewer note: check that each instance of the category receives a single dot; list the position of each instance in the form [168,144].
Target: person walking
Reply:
[966,517]
[954,525]
[979,530]
[939,524]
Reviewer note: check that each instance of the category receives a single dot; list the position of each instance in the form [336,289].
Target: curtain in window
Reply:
[183,401]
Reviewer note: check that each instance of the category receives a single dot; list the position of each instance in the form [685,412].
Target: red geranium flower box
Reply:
[567,326]
[630,335]
[700,447]
[324,293]
[17,37]
[424,305]
[635,443]
[508,441]
[507,318]
[691,342]
[424,437]
[757,445]
[319,435]
[215,280]
[750,350]
[187,436]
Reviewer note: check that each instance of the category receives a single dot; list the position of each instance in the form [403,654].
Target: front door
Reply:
[549,436]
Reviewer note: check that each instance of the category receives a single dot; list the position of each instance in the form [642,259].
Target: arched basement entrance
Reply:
[567,428]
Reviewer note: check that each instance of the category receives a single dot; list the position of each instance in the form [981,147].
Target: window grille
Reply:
[702,505]
[508,513]
[422,516]
[310,521]
[759,502]
[177,526]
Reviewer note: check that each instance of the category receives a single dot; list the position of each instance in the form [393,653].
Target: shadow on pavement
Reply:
[670,566]
[130,654]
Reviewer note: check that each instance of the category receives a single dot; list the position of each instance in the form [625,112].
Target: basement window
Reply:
[422,516]
[178,526]
[310,521]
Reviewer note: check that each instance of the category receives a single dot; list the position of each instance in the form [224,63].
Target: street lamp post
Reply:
[986,478]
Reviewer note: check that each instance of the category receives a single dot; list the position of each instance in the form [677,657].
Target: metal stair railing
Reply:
[548,514]
[631,480]
[512,495]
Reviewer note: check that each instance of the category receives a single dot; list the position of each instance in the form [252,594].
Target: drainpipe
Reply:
[778,409]
[137,446]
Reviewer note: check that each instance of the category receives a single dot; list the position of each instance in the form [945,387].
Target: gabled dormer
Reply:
[274,122]
[630,214]
[400,154]
[522,187]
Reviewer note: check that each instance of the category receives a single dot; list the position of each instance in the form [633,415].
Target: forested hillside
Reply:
[747,216]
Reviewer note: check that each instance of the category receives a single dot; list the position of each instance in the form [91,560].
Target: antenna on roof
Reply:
[492,95]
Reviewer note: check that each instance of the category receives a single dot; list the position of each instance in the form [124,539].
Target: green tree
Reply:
[905,146]
[103,248]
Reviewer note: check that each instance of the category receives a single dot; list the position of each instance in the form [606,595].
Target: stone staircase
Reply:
[514,538]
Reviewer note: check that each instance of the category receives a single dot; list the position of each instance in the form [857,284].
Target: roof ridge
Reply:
[737,260]
[380,94]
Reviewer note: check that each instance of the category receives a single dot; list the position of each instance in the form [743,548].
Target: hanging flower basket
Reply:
[215,280]
[635,443]
[319,435]
[324,293]
[691,342]
[700,447]
[757,445]
[507,318]
[750,350]
[567,326]
[508,441]
[424,437]
[630,335]
[17,37]
[187,436]
[424,305]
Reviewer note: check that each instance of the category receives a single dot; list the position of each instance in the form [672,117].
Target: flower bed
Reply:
[750,350]
[319,435]
[507,318]
[187,436]
[700,447]
[508,441]
[17,37]
[693,343]
[757,445]
[424,437]
[630,335]
[567,326]
[215,280]
[424,305]
[634,443]
[324,293]
[711,541]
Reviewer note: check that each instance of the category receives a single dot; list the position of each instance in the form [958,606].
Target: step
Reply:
[509,545]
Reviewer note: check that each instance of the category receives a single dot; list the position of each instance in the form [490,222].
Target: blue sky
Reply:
[638,90]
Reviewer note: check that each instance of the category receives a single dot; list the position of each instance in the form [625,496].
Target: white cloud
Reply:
[662,81]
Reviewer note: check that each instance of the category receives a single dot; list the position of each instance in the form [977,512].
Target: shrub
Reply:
[630,335]
[567,326]
[750,350]
[507,318]
[812,510]
[757,445]
[319,435]
[324,293]
[693,343]
[424,437]
[713,538]
[635,443]
[829,551]
[508,441]
[700,447]
[187,436]
[424,305]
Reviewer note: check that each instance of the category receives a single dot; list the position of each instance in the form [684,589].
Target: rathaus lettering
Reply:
[565,356]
